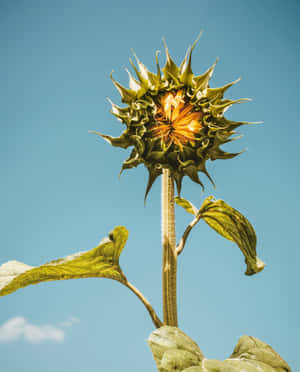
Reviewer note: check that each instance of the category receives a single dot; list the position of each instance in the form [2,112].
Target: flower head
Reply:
[173,120]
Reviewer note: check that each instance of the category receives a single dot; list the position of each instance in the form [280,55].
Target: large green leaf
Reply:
[173,351]
[102,261]
[233,226]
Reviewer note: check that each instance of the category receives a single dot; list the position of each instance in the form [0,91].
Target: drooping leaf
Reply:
[173,351]
[233,226]
[102,261]
[186,204]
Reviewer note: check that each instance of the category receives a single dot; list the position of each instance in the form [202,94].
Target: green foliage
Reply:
[173,351]
[100,262]
[187,205]
[231,224]
[175,123]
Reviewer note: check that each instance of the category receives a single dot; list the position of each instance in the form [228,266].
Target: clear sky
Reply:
[60,193]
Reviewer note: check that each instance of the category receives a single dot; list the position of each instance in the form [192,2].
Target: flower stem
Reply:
[169,253]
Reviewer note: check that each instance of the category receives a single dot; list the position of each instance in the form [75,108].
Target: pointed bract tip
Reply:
[197,39]
[210,178]
[134,66]
[213,67]
[156,57]
[152,176]
[111,75]
[135,56]
[110,101]
[121,171]
[236,81]
[252,122]
[166,47]
[164,41]
[244,150]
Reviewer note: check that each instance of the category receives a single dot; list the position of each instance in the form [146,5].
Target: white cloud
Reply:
[18,328]
[69,322]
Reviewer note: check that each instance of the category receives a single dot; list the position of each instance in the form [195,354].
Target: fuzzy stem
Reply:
[169,247]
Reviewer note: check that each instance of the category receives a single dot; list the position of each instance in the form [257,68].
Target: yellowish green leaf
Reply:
[187,205]
[173,351]
[233,226]
[101,262]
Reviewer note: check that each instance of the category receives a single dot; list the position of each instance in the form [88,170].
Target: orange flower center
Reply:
[176,121]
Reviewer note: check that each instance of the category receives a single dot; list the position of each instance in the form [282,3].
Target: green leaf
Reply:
[100,262]
[173,351]
[187,205]
[233,226]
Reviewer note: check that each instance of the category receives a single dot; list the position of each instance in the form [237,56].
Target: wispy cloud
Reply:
[19,328]
[69,322]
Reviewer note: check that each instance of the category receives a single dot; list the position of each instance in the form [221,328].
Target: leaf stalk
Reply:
[186,233]
[155,319]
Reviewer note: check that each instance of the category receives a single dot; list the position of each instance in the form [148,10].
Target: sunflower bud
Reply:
[173,120]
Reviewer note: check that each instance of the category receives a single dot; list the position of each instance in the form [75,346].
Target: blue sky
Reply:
[60,193]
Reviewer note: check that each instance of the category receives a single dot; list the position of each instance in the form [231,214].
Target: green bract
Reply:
[158,142]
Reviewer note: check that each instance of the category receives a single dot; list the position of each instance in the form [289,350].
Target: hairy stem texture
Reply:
[169,253]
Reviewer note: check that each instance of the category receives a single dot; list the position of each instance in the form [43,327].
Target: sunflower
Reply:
[173,120]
